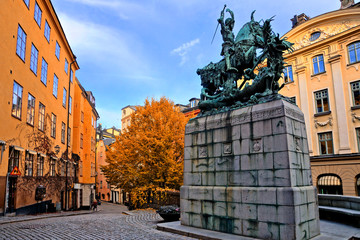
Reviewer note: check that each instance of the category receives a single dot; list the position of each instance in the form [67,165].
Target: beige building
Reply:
[322,76]
[126,116]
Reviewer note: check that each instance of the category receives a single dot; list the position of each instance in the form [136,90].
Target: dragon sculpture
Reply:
[255,56]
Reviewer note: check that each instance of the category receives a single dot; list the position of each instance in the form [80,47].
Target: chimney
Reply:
[299,19]
[346,3]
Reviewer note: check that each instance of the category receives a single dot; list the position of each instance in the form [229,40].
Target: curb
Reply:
[44,217]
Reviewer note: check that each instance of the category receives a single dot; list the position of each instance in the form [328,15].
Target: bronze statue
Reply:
[255,56]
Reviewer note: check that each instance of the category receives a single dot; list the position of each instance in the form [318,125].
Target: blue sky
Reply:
[129,50]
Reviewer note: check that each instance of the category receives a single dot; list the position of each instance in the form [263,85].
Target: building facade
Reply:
[322,77]
[126,116]
[105,191]
[37,74]
[84,145]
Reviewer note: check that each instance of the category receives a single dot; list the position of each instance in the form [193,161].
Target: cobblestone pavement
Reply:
[107,223]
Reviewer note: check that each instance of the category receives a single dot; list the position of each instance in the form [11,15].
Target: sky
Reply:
[130,50]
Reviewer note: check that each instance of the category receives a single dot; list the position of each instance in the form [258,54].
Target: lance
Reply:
[217,26]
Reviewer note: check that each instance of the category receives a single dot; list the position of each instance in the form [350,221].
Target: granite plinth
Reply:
[247,172]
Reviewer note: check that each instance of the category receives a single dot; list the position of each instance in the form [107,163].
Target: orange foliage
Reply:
[149,155]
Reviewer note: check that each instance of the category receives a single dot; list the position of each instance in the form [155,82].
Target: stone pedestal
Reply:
[247,172]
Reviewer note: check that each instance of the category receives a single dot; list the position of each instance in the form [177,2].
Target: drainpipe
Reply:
[67,139]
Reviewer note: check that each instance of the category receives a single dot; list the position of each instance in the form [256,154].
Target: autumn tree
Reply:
[148,156]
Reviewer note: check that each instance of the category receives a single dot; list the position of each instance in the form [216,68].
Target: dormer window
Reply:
[315,36]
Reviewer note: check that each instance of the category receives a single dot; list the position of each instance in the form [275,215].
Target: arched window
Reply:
[357,185]
[329,184]
[354,52]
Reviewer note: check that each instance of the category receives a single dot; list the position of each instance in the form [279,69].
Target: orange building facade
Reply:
[105,191]
[38,165]
[322,76]
[84,145]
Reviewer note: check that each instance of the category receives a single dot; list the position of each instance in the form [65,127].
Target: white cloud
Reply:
[106,46]
[184,49]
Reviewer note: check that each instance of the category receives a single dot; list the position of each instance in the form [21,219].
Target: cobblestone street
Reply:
[107,223]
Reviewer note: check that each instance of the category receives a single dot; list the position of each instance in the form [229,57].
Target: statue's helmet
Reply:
[229,21]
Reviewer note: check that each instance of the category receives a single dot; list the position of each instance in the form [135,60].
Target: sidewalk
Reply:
[22,218]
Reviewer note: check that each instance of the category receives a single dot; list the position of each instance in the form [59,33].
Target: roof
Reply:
[108,141]
[133,107]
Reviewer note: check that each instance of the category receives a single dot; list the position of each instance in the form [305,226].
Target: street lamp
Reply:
[68,137]
[57,149]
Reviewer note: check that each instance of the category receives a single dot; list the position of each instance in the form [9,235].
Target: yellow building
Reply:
[37,95]
[126,116]
[322,76]
[84,145]
[105,191]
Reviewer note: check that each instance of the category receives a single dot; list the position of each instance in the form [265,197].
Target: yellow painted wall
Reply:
[15,131]
[338,30]
[88,129]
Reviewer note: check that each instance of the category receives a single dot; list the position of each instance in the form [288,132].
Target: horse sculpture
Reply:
[256,55]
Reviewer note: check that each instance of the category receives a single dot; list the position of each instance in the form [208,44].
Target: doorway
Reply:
[12,194]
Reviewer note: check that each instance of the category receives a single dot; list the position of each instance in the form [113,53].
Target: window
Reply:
[17,100]
[329,184]
[63,127]
[30,110]
[21,43]
[14,158]
[57,50]
[81,140]
[358,137]
[92,121]
[70,102]
[47,31]
[52,167]
[40,166]
[53,125]
[27,2]
[326,143]
[81,168]
[29,161]
[357,184]
[318,64]
[34,59]
[55,86]
[101,185]
[108,185]
[37,14]
[92,170]
[288,75]
[64,98]
[66,65]
[82,116]
[41,116]
[355,89]
[322,101]
[44,68]
[69,137]
[354,52]
[71,75]
[315,36]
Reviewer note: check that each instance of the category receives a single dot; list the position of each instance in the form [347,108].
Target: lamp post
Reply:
[57,149]
[68,138]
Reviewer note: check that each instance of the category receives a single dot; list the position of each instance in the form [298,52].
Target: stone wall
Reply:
[247,172]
